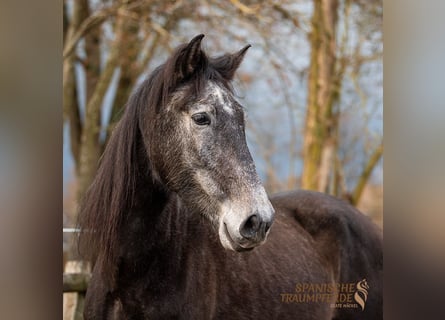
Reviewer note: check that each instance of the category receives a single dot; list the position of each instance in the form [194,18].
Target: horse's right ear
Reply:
[229,63]
[189,59]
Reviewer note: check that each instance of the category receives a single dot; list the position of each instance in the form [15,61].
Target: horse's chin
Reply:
[228,242]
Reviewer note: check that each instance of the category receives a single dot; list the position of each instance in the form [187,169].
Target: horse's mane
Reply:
[112,192]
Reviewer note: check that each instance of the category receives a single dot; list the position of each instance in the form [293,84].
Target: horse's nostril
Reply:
[268,225]
[250,227]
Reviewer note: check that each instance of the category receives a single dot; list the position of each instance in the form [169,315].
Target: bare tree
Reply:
[330,62]
[125,55]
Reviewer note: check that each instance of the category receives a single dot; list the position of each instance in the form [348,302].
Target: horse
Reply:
[179,226]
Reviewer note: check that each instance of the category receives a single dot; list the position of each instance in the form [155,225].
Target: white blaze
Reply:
[218,93]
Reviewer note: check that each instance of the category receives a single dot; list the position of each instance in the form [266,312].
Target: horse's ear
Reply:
[229,63]
[189,59]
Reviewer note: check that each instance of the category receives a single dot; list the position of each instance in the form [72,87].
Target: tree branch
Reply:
[286,14]
[245,9]
[364,177]
[93,21]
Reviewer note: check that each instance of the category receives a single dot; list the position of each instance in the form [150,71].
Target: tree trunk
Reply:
[92,51]
[70,100]
[320,122]
[130,69]
[131,45]
[90,149]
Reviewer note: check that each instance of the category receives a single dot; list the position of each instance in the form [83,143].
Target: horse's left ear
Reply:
[190,58]
[229,63]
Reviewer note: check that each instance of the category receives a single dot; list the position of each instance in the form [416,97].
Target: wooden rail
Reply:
[76,282]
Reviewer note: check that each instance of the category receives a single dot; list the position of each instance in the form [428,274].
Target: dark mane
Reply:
[111,195]
[112,192]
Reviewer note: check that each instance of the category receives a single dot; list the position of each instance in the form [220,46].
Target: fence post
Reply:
[73,302]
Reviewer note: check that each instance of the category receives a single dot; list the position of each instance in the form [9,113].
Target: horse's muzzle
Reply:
[245,234]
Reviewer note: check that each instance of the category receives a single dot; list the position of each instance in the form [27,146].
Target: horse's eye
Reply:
[201,119]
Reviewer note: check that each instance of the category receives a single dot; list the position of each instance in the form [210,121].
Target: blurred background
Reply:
[311,85]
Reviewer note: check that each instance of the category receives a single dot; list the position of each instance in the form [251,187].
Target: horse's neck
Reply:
[153,212]
[157,229]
